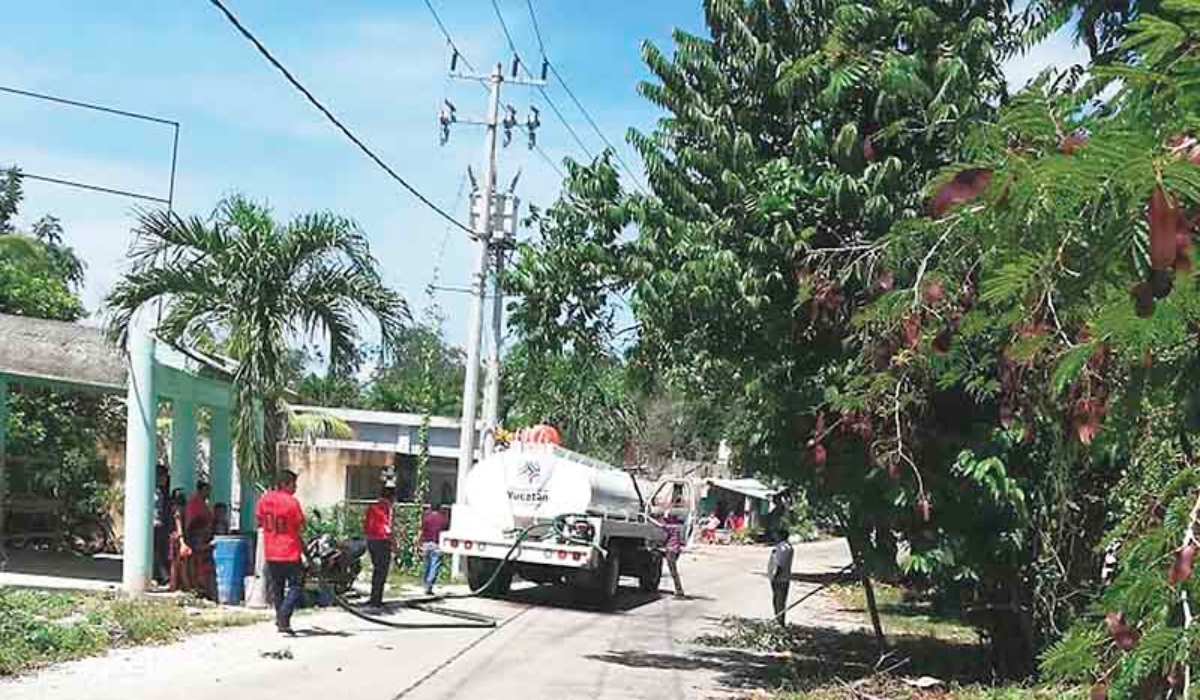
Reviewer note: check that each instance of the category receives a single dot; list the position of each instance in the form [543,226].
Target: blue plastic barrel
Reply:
[230,554]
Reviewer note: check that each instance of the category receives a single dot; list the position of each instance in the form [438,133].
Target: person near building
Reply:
[673,548]
[377,525]
[779,570]
[162,525]
[433,524]
[180,552]
[281,520]
[221,524]
[198,525]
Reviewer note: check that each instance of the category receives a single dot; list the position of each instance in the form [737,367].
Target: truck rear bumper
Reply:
[546,552]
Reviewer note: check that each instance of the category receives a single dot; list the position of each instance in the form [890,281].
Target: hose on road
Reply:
[469,620]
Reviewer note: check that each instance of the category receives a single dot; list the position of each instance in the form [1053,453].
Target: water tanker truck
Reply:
[553,516]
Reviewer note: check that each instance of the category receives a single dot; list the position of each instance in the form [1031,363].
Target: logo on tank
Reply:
[531,471]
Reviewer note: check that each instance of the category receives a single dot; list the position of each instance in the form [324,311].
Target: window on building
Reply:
[363,482]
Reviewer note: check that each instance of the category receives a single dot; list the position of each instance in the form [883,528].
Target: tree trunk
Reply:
[857,538]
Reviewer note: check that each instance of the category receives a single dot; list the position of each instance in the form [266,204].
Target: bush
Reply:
[342,521]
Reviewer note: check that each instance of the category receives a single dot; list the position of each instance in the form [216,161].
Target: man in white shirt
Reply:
[779,570]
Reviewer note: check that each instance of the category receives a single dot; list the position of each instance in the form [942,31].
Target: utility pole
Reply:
[487,235]
[491,400]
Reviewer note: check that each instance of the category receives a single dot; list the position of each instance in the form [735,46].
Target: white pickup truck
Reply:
[586,523]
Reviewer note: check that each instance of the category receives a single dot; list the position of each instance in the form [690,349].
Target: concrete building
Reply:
[385,446]
[71,357]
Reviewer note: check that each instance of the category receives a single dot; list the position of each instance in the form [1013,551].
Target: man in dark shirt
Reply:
[433,524]
[162,525]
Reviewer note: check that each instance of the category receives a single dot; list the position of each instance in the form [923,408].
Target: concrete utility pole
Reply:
[486,236]
[491,399]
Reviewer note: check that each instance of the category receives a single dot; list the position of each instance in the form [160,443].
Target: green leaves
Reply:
[1070,365]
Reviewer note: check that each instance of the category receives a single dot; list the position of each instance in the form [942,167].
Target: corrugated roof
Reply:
[60,352]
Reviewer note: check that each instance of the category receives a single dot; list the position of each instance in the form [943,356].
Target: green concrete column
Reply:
[3,459]
[250,488]
[183,446]
[140,460]
[250,491]
[220,457]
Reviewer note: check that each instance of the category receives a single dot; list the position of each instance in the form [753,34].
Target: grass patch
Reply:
[770,662]
[893,688]
[41,627]
[905,613]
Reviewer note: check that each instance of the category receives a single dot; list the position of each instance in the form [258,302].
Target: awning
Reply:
[747,487]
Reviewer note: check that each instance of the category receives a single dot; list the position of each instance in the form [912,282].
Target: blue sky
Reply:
[381,65]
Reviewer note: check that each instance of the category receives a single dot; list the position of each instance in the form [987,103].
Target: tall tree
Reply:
[257,282]
[425,374]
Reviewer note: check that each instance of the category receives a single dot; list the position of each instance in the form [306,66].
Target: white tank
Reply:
[539,482]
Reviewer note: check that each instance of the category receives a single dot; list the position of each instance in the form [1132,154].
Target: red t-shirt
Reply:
[281,518]
[378,523]
[433,525]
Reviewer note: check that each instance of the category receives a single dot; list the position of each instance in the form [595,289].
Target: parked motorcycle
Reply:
[335,563]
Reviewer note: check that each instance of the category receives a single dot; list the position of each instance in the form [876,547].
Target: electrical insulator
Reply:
[454,61]
[509,123]
[516,65]
[545,68]
[447,115]
[531,125]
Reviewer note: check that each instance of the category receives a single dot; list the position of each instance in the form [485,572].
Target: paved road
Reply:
[543,648]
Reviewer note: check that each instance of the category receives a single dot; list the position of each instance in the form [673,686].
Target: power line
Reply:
[87,105]
[94,188]
[550,162]
[512,45]
[571,93]
[329,115]
[537,31]
[446,33]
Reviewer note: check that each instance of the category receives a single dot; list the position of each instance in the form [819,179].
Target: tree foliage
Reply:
[255,283]
[912,289]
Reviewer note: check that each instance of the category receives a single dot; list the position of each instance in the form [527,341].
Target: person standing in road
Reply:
[779,570]
[377,524]
[281,519]
[674,547]
[433,524]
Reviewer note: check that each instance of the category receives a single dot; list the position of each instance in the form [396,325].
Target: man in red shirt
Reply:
[281,519]
[433,524]
[377,524]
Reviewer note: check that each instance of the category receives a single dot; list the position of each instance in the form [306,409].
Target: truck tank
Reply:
[531,482]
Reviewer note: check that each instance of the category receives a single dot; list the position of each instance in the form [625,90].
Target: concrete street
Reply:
[544,647]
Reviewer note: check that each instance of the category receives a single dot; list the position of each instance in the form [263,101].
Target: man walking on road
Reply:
[433,524]
[378,527]
[281,519]
[674,547]
[779,570]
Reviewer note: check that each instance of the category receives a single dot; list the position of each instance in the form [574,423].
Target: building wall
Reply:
[322,472]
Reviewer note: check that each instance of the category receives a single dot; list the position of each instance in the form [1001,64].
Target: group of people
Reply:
[184,532]
[281,521]
[377,525]
[733,522]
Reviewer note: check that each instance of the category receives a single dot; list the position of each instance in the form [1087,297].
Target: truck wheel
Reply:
[610,578]
[481,571]
[651,576]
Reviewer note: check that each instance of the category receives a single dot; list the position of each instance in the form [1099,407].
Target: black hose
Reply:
[820,588]
[470,620]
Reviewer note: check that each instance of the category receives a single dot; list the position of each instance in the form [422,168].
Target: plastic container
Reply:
[230,554]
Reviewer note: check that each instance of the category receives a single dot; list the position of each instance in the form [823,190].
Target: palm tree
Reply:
[254,284]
